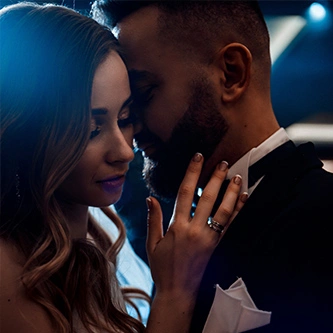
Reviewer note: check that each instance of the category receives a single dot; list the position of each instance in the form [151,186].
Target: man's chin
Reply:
[162,182]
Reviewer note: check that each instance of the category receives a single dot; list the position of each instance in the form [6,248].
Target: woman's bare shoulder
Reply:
[18,312]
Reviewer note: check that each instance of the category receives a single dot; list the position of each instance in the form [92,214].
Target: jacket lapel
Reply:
[272,195]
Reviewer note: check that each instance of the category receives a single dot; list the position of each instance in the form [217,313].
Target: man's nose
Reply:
[138,126]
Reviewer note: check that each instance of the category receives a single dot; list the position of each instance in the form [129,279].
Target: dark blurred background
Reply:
[302,91]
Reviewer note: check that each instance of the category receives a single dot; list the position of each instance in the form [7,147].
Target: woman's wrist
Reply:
[169,296]
[171,312]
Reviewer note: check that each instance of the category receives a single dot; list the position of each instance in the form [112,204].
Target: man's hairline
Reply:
[162,15]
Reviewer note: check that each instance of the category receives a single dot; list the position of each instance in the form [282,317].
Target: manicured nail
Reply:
[197,157]
[148,202]
[244,196]
[224,165]
[237,179]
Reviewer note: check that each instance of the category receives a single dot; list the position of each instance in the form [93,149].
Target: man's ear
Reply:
[234,61]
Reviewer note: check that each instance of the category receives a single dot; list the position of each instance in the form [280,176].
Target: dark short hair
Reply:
[198,25]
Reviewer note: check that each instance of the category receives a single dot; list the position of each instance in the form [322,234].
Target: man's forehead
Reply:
[141,23]
[138,35]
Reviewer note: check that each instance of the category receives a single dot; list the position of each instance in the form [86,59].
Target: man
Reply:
[200,73]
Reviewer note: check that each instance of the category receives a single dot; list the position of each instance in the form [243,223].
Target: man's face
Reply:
[177,101]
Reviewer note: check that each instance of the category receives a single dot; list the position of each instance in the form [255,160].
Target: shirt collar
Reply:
[241,167]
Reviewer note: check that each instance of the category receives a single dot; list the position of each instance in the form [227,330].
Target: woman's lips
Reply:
[112,184]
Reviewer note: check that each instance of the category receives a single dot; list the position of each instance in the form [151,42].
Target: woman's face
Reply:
[98,178]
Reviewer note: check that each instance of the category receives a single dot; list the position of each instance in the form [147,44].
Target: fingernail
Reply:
[244,196]
[197,157]
[148,202]
[237,179]
[224,165]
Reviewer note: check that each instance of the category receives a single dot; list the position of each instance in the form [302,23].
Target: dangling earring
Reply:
[17,186]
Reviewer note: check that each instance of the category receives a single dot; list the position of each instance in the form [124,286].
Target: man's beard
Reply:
[199,130]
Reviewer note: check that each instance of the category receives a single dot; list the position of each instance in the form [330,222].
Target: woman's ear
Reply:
[234,61]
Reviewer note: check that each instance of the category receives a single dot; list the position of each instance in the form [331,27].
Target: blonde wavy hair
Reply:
[49,55]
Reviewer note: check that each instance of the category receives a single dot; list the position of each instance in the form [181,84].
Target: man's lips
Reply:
[147,142]
[148,149]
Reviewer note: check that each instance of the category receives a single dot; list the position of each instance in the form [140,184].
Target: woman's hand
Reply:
[178,259]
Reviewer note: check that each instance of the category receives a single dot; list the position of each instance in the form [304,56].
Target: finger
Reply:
[227,206]
[210,192]
[154,224]
[239,205]
[188,186]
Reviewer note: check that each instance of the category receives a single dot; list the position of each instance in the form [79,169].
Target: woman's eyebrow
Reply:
[104,111]
[99,112]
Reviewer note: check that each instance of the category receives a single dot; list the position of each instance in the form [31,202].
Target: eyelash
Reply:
[95,132]
[131,119]
[143,99]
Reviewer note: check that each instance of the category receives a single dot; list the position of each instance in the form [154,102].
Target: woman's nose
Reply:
[121,146]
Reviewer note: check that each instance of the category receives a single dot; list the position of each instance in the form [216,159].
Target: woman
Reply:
[66,136]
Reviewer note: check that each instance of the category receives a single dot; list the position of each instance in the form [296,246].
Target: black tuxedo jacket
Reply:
[281,245]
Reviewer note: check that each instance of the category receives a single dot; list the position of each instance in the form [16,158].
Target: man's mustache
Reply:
[146,136]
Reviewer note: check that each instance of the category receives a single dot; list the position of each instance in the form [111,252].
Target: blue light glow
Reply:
[317,12]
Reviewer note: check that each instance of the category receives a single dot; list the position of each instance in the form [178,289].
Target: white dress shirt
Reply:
[241,167]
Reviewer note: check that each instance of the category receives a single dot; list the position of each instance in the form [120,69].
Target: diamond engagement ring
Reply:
[216,226]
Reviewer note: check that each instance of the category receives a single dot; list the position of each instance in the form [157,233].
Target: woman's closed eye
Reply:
[96,129]
[101,118]
[96,122]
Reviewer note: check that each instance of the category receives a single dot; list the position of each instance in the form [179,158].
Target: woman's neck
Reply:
[77,216]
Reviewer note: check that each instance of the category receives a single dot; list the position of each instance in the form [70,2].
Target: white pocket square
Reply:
[233,311]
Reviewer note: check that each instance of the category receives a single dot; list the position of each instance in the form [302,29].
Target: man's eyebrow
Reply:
[138,75]
[128,101]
